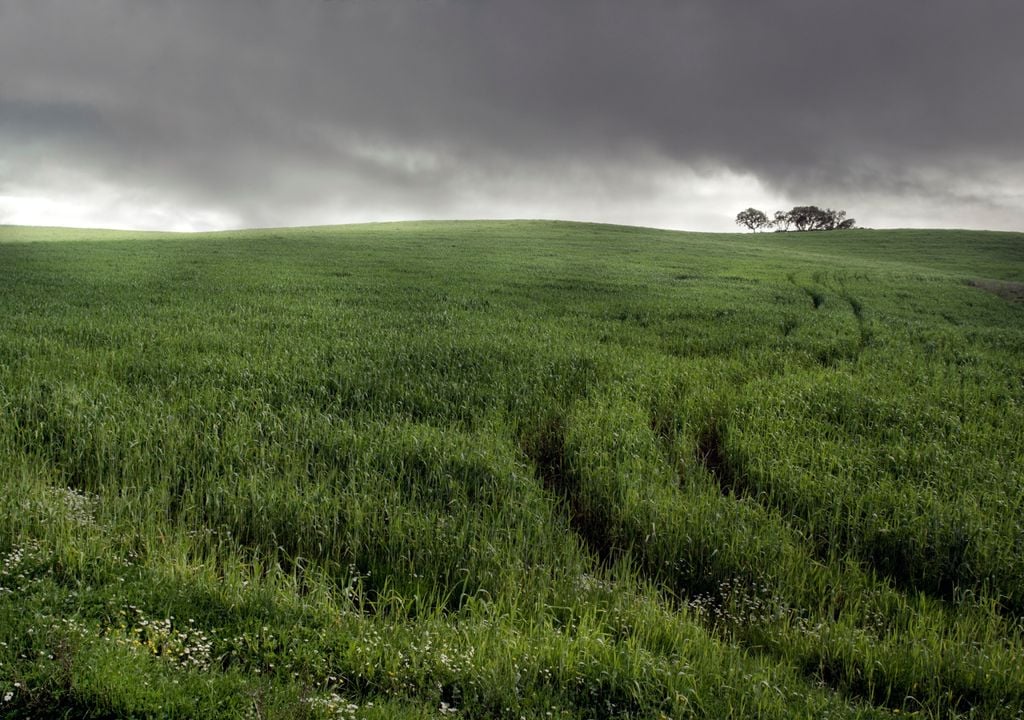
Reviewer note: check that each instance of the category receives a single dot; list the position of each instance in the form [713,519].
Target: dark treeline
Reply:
[801,217]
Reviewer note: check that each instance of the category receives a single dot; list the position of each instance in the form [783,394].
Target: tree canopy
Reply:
[753,219]
[801,218]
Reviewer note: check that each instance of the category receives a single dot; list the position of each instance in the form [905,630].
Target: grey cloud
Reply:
[273,109]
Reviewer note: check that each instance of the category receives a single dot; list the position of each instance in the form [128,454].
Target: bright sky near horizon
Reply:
[192,115]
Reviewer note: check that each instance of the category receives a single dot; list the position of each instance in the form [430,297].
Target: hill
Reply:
[511,469]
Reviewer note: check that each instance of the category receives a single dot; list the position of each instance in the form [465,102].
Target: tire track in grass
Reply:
[817,297]
[723,573]
[730,477]
[711,457]
[546,452]
[819,665]
[857,307]
[735,561]
[829,357]
[712,593]
[853,673]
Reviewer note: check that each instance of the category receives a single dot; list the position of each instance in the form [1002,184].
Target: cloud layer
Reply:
[188,114]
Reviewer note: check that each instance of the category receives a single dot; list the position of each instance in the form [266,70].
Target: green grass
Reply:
[511,469]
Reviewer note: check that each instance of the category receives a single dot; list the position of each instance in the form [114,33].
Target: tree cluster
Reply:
[801,217]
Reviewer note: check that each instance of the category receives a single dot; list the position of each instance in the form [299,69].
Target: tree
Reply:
[830,219]
[805,217]
[782,221]
[812,217]
[753,219]
[801,217]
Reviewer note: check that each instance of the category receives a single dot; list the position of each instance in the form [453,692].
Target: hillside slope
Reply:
[510,469]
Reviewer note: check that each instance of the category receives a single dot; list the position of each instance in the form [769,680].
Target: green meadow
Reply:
[511,470]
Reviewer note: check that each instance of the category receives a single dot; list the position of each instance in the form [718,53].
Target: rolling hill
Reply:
[511,469]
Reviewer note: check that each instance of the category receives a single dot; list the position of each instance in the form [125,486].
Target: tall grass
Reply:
[513,469]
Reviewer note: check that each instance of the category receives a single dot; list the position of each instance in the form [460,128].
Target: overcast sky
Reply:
[205,114]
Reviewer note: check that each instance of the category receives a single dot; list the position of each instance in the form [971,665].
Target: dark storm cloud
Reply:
[275,112]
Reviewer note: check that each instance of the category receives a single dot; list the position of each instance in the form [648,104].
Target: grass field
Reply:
[511,470]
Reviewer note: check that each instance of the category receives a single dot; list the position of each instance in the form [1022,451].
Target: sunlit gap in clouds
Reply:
[667,196]
[108,210]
